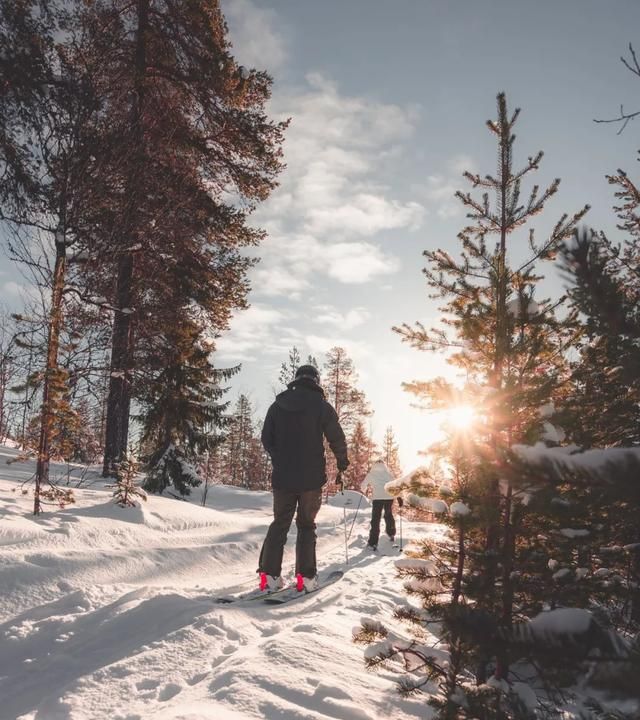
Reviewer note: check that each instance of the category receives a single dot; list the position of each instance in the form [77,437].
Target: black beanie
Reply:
[308,371]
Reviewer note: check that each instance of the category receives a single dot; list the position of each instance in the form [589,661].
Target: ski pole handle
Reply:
[340,482]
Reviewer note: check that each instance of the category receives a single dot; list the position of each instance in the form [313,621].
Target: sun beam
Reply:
[460,417]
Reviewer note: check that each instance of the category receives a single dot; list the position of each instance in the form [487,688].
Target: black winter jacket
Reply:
[293,433]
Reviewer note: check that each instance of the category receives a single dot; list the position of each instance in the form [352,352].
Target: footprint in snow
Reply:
[305,628]
[147,684]
[169,691]
[225,652]
[329,691]
[213,630]
[197,678]
[233,635]
[269,630]
[40,560]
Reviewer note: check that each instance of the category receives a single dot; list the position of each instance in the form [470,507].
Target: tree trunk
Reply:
[26,395]
[508,559]
[492,542]
[53,342]
[457,583]
[119,400]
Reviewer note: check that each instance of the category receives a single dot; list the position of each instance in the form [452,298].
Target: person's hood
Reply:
[379,474]
[299,395]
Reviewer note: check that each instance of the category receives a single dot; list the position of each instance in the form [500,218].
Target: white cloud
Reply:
[292,263]
[277,280]
[460,164]
[440,191]
[332,201]
[440,188]
[366,214]
[256,330]
[320,344]
[328,315]
[13,288]
[255,34]
[332,148]
[358,262]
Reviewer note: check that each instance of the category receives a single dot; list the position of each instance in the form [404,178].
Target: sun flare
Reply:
[460,417]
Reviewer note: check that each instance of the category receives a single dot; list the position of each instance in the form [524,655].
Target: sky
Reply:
[388,103]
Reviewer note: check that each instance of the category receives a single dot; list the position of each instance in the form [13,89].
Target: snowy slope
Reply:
[108,613]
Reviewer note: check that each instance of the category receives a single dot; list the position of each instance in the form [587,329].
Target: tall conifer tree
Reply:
[339,381]
[510,346]
[184,416]
[191,125]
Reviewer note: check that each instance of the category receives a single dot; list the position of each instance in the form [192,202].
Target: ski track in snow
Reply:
[108,613]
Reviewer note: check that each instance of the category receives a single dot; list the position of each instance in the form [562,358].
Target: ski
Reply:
[290,594]
[250,595]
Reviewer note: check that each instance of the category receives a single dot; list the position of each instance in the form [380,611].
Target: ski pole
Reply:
[340,484]
[400,504]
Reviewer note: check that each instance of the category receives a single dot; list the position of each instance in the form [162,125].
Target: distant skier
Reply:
[376,479]
[293,435]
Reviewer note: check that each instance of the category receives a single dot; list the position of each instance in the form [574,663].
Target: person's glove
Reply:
[400,501]
[343,465]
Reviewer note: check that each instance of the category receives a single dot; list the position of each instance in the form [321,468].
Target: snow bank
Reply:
[108,612]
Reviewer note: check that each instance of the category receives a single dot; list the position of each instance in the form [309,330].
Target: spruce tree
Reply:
[604,286]
[339,381]
[361,449]
[183,412]
[238,450]
[125,489]
[510,346]
[288,369]
[602,404]
[193,154]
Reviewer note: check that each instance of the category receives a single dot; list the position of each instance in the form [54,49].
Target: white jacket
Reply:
[376,479]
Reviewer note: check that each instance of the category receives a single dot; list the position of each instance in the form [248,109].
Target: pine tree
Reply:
[361,449]
[125,490]
[390,453]
[183,411]
[189,132]
[258,465]
[47,156]
[602,405]
[239,447]
[294,361]
[510,346]
[288,369]
[339,383]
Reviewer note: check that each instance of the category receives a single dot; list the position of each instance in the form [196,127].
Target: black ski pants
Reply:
[285,503]
[389,521]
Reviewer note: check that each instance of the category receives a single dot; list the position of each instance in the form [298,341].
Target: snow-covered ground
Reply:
[108,613]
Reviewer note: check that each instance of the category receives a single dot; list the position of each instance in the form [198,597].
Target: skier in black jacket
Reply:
[293,435]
